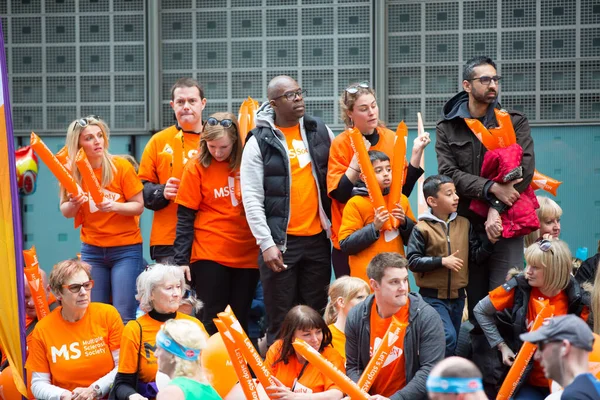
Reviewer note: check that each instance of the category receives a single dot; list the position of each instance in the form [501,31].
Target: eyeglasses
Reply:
[225,123]
[543,343]
[83,122]
[76,287]
[486,80]
[291,96]
[545,245]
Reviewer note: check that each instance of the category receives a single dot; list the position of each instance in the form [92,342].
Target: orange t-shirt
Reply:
[156,166]
[130,346]
[76,354]
[340,155]
[338,340]
[304,196]
[357,214]
[312,380]
[108,229]
[221,232]
[502,299]
[392,376]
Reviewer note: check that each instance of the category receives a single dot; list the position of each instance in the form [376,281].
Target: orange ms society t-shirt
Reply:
[392,376]
[221,232]
[156,167]
[304,196]
[76,354]
[108,229]
[312,380]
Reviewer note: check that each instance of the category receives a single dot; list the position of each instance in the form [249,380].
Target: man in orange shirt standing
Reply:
[284,191]
[420,345]
[158,167]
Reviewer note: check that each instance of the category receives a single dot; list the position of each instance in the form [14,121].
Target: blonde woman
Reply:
[344,293]
[179,344]
[547,279]
[549,215]
[111,241]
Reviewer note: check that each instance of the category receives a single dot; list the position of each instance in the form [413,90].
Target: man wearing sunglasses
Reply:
[156,166]
[284,190]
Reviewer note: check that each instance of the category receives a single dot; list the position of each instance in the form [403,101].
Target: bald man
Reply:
[455,378]
[284,190]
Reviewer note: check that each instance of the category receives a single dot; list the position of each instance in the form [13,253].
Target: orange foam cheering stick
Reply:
[238,361]
[395,331]
[328,369]
[523,357]
[87,175]
[36,283]
[398,170]
[368,173]
[55,166]
[541,181]
[245,345]
[178,155]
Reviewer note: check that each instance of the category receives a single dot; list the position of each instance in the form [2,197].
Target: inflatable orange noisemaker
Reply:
[397,170]
[368,173]
[541,181]
[87,175]
[36,283]
[55,166]
[523,356]
[238,361]
[393,333]
[328,369]
[177,146]
[243,121]
[250,354]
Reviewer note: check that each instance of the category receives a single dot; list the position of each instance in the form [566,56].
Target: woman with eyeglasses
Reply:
[111,240]
[296,378]
[359,109]
[213,244]
[159,290]
[74,351]
[511,309]
[179,346]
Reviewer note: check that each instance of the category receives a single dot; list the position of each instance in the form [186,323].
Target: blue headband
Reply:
[453,385]
[170,345]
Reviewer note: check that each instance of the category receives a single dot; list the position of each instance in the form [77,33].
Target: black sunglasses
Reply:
[353,89]
[83,122]
[225,123]
[545,245]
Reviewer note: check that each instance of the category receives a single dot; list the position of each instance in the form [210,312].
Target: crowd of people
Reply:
[283,208]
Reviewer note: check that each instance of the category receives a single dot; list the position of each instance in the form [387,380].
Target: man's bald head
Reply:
[279,85]
[286,99]
[458,373]
[456,367]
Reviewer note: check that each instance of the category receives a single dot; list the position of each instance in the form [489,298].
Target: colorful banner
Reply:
[12,329]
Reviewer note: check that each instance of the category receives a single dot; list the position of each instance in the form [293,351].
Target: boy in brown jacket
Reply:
[438,255]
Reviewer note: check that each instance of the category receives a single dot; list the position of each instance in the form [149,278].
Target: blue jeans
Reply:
[451,312]
[114,271]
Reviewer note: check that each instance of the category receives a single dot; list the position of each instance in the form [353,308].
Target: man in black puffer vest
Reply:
[284,190]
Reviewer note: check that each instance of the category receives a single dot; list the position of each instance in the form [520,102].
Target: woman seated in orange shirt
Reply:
[297,378]
[74,351]
[214,244]
[159,291]
[111,240]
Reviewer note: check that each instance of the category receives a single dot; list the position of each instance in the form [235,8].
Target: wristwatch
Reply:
[97,392]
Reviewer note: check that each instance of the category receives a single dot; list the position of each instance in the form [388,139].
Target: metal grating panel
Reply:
[60,29]
[214,85]
[26,90]
[557,76]
[176,26]
[518,13]
[177,56]
[247,23]
[522,103]
[288,72]
[27,30]
[404,18]
[95,58]
[321,109]
[246,3]
[282,53]
[441,79]
[128,5]
[404,49]
[558,12]
[26,60]
[316,1]
[441,16]
[246,54]
[244,84]
[282,2]
[181,4]
[210,4]
[61,89]
[590,42]
[211,55]
[590,12]
[212,107]
[168,118]
[346,77]
[95,89]
[318,83]
[317,52]
[211,24]
[64,6]
[354,20]
[25,6]
[558,43]
[93,6]
[61,59]
[475,44]
[590,106]
[129,58]
[518,77]
[404,80]
[130,116]
[129,28]
[317,21]
[95,28]
[557,107]
[590,75]
[129,88]
[59,117]
[441,48]
[352,51]
[168,80]
[433,108]
[518,45]
[27,118]
[479,15]
[404,110]
[282,22]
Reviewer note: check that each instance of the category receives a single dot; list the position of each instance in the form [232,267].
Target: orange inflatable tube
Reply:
[55,166]
[375,365]
[541,181]
[238,361]
[63,156]
[87,175]
[368,173]
[523,357]
[397,170]
[243,121]
[178,156]
[36,283]
[252,107]
[328,369]
[245,345]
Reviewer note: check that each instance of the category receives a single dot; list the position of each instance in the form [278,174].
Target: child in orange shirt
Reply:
[291,370]
[360,233]
[110,233]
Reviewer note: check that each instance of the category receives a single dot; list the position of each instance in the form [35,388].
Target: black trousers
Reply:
[305,281]
[341,266]
[218,286]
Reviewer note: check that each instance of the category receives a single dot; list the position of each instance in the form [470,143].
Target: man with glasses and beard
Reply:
[460,156]
[284,191]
